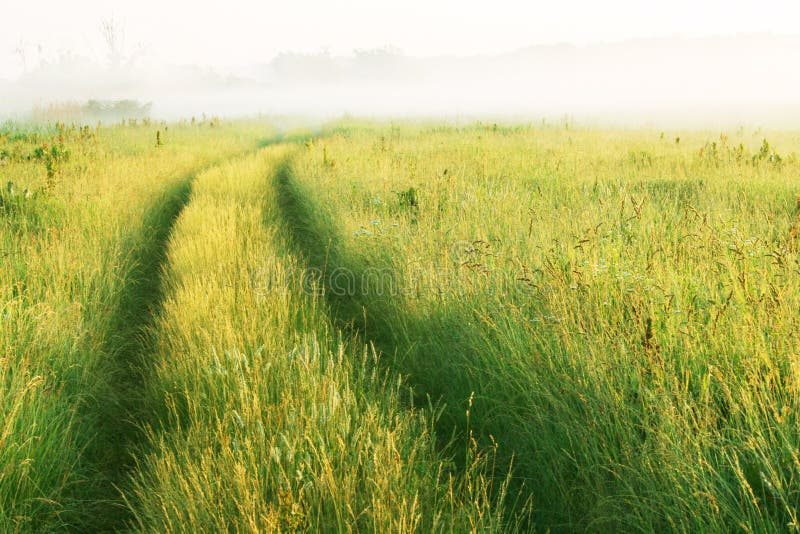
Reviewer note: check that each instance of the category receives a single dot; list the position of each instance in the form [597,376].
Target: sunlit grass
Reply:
[272,421]
[73,244]
[621,304]
[398,328]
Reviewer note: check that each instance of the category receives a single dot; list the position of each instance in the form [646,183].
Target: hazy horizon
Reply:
[667,63]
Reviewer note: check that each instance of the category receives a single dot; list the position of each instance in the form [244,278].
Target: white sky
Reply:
[232,33]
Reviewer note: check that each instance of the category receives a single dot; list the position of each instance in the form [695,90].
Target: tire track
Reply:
[313,234]
[127,343]
[129,340]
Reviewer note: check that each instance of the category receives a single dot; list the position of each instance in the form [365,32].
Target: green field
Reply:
[392,327]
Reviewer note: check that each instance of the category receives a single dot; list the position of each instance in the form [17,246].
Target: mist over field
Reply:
[419,266]
[673,81]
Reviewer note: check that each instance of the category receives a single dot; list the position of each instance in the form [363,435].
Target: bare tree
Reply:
[114,36]
[21,52]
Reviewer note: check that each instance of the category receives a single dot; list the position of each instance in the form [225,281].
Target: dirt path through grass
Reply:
[368,313]
[129,342]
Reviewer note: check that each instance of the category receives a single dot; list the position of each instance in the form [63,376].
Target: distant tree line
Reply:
[92,111]
[113,110]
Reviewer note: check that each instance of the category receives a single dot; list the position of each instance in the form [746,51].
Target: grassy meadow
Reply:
[213,326]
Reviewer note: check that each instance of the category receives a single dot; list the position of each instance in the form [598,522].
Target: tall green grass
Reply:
[618,308]
[81,225]
[272,421]
[398,328]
